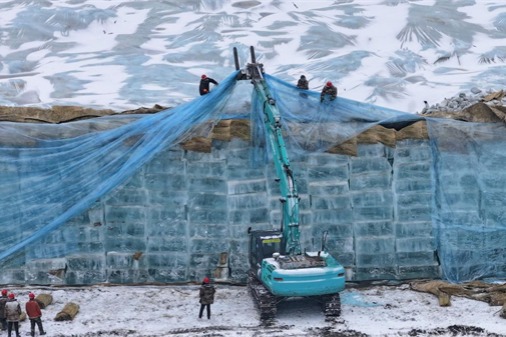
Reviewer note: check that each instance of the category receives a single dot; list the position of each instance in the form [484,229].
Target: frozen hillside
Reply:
[125,54]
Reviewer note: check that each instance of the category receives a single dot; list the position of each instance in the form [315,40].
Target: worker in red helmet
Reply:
[12,314]
[329,91]
[204,84]
[206,295]
[34,314]
[3,300]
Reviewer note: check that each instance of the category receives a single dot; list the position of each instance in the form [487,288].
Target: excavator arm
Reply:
[278,268]
[272,119]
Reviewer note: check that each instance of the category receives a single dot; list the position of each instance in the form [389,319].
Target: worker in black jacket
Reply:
[204,84]
[303,83]
[328,90]
[206,294]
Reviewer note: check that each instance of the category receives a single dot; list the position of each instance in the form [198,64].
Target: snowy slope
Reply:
[125,54]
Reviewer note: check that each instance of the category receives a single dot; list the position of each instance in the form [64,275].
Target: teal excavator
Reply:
[278,267]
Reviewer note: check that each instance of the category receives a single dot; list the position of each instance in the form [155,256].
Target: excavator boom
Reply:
[279,269]
[289,195]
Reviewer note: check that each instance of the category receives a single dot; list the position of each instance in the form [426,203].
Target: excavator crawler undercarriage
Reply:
[265,302]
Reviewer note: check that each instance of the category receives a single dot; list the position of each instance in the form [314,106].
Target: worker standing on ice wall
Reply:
[204,84]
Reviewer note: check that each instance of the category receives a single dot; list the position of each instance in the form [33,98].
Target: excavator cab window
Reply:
[270,246]
[263,244]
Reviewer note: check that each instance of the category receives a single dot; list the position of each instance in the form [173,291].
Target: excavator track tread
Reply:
[331,306]
[265,302]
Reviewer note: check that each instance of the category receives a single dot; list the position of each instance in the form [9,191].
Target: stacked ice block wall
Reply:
[172,220]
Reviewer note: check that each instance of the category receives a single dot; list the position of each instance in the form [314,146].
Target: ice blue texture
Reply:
[118,199]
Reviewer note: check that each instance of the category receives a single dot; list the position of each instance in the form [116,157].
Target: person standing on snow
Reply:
[206,294]
[12,314]
[204,84]
[303,83]
[328,90]
[34,314]
[3,300]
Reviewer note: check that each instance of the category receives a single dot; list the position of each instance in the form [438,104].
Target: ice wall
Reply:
[174,218]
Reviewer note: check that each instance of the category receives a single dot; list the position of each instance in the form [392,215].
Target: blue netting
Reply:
[52,173]
[469,197]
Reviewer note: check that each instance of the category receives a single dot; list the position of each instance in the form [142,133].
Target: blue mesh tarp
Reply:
[468,211]
[52,173]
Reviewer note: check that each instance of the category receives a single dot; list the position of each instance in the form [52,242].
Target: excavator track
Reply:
[331,306]
[265,302]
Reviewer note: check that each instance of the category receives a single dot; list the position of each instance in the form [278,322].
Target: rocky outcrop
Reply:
[477,107]
[63,113]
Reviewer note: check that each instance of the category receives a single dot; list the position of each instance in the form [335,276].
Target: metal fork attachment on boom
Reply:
[289,195]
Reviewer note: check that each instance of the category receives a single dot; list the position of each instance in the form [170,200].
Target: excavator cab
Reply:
[264,244]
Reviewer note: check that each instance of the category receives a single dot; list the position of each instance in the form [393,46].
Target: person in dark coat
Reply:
[206,295]
[3,300]
[328,90]
[303,83]
[12,314]
[204,84]
[34,314]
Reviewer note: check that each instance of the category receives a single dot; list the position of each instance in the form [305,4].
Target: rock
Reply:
[499,111]
[498,95]
[480,113]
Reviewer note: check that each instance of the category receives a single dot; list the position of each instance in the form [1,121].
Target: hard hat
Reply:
[203,76]
[4,292]
[206,279]
[31,295]
[11,295]
[329,84]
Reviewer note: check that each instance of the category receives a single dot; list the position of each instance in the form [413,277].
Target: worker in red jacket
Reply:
[34,314]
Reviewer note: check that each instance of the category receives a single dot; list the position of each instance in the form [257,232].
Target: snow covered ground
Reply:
[124,54]
[173,311]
